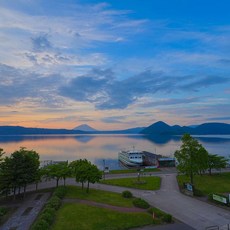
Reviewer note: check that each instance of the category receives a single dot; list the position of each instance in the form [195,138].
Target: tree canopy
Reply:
[18,170]
[193,158]
[84,172]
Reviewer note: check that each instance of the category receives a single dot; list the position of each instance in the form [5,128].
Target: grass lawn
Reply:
[98,196]
[121,171]
[216,183]
[149,183]
[85,217]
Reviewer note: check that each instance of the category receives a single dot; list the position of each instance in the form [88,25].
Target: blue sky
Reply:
[114,64]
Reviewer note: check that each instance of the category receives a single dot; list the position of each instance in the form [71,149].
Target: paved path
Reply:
[192,212]
[26,212]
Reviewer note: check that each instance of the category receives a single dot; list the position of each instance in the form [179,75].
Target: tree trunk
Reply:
[64,180]
[87,187]
[82,185]
[14,193]
[210,171]
[36,186]
[24,193]
[57,180]
[191,177]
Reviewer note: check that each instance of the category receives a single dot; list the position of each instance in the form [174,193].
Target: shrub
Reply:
[3,211]
[167,218]
[127,194]
[198,192]
[60,192]
[41,225]
[55,202]
[140,203]
[157,212]
[48,217]
[49,210]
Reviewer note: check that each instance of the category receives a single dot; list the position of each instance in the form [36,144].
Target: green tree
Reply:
[57,171]
[25,167]
[79,169]
[84,172]
[6,176]
[93,175]
[216,162]
[19,170]
[202,160]
[188,157]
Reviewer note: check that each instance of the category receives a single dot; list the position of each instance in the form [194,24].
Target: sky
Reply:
[114,64]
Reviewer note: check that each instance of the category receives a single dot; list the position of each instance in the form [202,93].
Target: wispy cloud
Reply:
[114,119]
[101,88]
[219,119]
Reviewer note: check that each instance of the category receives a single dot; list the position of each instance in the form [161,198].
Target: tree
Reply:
[18,170]
[189,157]
[93,175]
[25,167]
[85,172]
[202,160]
[79,169]
[216,162]
[6,176]
[57,171]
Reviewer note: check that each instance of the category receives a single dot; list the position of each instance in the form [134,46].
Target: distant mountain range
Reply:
[19,130]
[158,128]
[161,127]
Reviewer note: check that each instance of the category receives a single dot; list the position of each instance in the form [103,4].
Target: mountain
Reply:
[135,130]
[19,130]
[85,128]
[160,128]
[212,129]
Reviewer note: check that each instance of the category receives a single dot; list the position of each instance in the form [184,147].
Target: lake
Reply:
[104,148]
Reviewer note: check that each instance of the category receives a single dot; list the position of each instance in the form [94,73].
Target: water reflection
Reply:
[97,148]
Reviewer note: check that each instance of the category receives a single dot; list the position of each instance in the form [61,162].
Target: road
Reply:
[193,212]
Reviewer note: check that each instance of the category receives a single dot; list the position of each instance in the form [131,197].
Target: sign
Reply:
[188,186]
[219,198]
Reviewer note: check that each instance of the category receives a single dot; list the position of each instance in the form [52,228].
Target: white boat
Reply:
[131,158]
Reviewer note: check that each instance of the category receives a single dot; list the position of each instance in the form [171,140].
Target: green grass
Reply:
[85,217]
[149,183]
[123,171]
[98,196]
[216,183]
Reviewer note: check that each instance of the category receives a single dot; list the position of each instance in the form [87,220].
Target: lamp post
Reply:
[104,168]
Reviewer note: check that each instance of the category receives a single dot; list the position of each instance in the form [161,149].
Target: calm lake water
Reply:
[99,148]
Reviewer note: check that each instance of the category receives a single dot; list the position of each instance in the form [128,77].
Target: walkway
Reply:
[188,210]
[25,215]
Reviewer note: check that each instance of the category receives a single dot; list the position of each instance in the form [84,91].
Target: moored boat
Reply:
[131,158]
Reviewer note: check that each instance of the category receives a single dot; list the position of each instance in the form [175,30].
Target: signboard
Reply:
[219,198]
[188,187]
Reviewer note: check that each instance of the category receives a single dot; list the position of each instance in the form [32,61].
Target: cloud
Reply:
[101,88]
[31,29]
[219,119]
[17,85]
[41,43]
[114,119]
[202,82]
[171,101]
